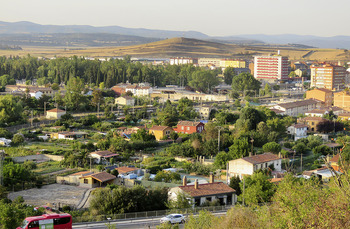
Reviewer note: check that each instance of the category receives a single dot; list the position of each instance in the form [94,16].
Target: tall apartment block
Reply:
[271,67]
[328,76]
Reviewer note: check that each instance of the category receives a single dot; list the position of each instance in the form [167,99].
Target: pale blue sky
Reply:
[215,17]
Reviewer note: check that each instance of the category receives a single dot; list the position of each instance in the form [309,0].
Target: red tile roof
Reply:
[313,119]
[261,158]
[125,169]
[159,127]
[188,123]
[335,158]
[207,189]
[55,110]
[102,176]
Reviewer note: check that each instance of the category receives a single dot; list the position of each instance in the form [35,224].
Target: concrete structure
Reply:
[97,180]
[328,76]
[322,94]
[23,88]
[189,127]
[311,122]
[271,67]
[125,100]
[199,194]
[298,130]
[55,113]
[160,132]
[102,156]
[298,107]
[342,100]
[175,95]
[247,165]
[139,90]
[323,111]
[182,60]
[125,171]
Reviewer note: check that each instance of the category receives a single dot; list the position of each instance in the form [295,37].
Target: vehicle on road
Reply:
[53,221]
[173,218]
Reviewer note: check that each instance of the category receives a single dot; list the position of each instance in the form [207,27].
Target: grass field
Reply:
[180,47]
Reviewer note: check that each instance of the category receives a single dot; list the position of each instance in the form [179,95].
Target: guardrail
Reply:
[148,214]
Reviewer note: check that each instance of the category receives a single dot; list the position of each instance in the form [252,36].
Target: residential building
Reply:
[189,127]
[298,130]
[311,122]
[72,178]
[204,111]
[271,67]
[322,94]
[334,162]
[342,99]
[224,63]
[344,116]
[298,107]
[323,111]
[102,156]
[5,142]
[97,180]
[68,135]
[55,113]
[36,94]
[125,100]
[205,62]
[160,132]
[183,60]
[202,193]
[248,165]
[328,76]
[139,90]
[125,171]
[32,89]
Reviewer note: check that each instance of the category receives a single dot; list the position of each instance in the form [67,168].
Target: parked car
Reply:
[173,218]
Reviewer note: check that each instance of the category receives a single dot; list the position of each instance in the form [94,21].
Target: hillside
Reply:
[185,47]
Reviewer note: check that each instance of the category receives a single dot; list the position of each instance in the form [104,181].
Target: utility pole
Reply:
[219,141]
[44,108]
[98,110]
[2,155]
[31,121]
[243,191]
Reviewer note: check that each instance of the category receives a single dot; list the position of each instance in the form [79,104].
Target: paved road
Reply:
[148,223]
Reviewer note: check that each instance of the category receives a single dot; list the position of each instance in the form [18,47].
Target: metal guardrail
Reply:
[148,214]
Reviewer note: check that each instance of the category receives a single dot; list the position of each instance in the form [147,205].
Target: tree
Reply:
[272,147]
[322,149]
[55,87]
[73,96]
[17,139]
[329,126]
[300,148]
[235,184]
[258,189]
[221,159]
[239,148]
[267,89]
[10,110]
[229,73]
[182,201]
[97,98]
[245,84]
[203,80]
[142,135]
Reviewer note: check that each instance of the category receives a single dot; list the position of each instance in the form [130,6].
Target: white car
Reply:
[173,218]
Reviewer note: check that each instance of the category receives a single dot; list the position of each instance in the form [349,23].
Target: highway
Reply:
[142,223]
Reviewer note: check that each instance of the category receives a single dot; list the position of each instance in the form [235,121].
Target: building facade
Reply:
[298,107]
[328,76]
[322,94]
[189,127]
[342,100]
[271,67]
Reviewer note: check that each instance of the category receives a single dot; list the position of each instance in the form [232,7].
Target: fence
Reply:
[149,214]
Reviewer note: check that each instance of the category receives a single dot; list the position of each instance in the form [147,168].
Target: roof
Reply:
[299,125]
[298,103]
[324,90]
[335,158]
[261,158]
[208,189]
[344,114]
[159,128]
[276,111]
[125,169]
[81,173]
[56,110]
[317,111]
[102,176]
[105,153]
[188,123]
[313,119]
[276,180]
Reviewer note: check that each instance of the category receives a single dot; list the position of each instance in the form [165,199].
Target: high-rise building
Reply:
[271,67]
[328,76]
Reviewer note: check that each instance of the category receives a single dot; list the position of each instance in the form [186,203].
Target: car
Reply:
[173,218]
[47,208]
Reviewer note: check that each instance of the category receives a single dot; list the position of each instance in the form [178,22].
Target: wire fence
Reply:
[149,214]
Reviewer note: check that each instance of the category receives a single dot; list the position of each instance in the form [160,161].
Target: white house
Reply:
[100,156]
[55,113]
[139,90]
[5,142]
[247,165]
[36,94]
[298,130]
[198,193]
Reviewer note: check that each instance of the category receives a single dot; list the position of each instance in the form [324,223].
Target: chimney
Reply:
[184,181]
[196,184]
[211,177]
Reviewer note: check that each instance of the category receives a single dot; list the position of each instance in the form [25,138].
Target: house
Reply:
[298,130]
[102,156]
[160,132]
[334,162]
[5,142]
[97,180]
[311,122]
[248,165]
[189,127]
[72,178]
[36,94]
[139,90]
[298,107]
[68,135]
[199,194]
[342,99]
[125,171]
[55,113]
[344,116]
[204,111]
[322,173]
[322,94]
[125,100]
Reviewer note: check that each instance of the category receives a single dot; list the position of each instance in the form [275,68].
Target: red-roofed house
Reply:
[97,180]
[248,165]
[55,113]
[100,156]
[124,171]
[201,193]
[189,127]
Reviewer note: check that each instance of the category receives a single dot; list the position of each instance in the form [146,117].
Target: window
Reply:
[33,224]
[86,181]
[182,128]
[61,221]
[188,128]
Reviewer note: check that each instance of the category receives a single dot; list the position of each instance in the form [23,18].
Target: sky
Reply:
[212,17]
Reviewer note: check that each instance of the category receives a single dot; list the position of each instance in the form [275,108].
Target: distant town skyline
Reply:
[219,18]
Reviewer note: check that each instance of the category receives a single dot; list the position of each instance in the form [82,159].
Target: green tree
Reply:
[272,147]
[17,139]
[300,148]
[267,89]
[235,184]
[10,110]
[182,201]
[73,96]
[245,84]
[229,73]
[203,80]
[142,135]
[239,148]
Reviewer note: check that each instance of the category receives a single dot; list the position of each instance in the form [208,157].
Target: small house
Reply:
[160,132]
[125,171]
[298,130]
[55,113]
[125,100]
[189,127]
[5,142]
[97,180]
[102,156]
